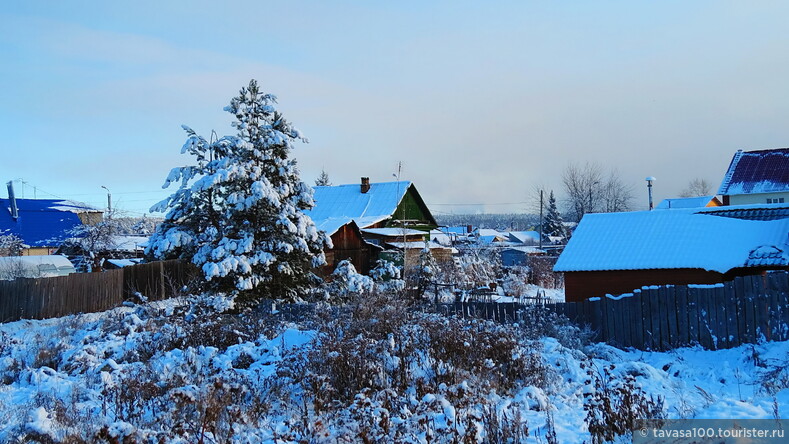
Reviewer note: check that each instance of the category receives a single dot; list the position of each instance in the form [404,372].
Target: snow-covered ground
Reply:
[139,373]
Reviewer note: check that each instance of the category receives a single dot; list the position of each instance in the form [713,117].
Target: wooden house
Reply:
[757,177]
[362,218]
[374,205]
[347,243]
[615,253]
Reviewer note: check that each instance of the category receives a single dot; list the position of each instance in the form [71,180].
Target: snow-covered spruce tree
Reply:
[553,225]
[239,211]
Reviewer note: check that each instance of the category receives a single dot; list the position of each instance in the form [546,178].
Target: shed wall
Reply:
[581,285]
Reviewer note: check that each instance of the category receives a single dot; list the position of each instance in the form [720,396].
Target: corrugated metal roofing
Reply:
[347,202]
[751,212]
[41,222]
[762,171]
[668,240]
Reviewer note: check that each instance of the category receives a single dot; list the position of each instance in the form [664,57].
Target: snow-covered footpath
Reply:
[145,374]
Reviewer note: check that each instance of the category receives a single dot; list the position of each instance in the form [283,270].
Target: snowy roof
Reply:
[751,212]
[394,232]
[524,249]
[120,263]
[347,202]
[418,245]
[130,243]
[751,172]
[42,222]
[685,202]
[669,240]
[524,236]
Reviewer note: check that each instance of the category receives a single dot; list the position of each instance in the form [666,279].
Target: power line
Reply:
[482,203]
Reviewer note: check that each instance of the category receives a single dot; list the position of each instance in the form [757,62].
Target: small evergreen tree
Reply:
[239,211]
[553,225]
[323,180]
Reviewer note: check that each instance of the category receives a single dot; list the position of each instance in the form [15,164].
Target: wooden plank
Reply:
[596,316]
[750,320]
[762,314]
[611,325]
[775,315]
[730,299]
[671,315]
[622,317]
[646,320]
[704,318]
[721,324]
[637,319]
[657,322]
[681,299]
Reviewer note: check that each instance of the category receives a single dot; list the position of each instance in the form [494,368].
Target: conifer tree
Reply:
[553,225]
[239,211]
[323,180]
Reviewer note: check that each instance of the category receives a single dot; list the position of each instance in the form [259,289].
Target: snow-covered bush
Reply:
[386,276]
[239,211]
[345,284]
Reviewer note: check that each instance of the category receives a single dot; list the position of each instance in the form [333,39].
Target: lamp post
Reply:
[649,180]
[109,199]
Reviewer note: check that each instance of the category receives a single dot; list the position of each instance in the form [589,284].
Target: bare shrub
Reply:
[617,405]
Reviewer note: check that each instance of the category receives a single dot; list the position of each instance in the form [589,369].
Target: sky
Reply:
[481,103]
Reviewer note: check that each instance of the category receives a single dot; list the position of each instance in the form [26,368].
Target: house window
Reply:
[775,200]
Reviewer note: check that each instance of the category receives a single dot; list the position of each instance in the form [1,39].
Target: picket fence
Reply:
[43,298]
[746,310]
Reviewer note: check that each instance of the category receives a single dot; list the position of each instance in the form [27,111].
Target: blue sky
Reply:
[480,101]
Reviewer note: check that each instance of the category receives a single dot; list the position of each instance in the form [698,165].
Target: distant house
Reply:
[524,237]
[615,253]
[43,224]
[757,177]
[689,202]
[518,255]
[387,206]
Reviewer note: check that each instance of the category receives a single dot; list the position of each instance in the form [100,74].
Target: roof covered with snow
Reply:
[42,222]
[752,172]
[524,236]
[337,205]
[675,239]
[685,202]
[394,232]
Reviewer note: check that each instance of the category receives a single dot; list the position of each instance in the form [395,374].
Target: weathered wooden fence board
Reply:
[89,292]
[745,310]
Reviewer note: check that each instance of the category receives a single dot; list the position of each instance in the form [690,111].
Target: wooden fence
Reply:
[745,310]
[90,292]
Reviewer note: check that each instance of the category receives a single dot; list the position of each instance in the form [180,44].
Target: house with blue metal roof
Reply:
[616,253]
[43,224]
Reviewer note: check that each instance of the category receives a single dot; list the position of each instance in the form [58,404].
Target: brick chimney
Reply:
[365,184]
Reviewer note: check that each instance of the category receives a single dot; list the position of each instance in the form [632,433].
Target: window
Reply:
[775,200]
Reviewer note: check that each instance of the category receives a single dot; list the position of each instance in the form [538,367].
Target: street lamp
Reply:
[649,180]
[109,199]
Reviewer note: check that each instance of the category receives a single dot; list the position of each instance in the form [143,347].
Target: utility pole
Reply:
[109,199]
[541,230]
[649,180]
